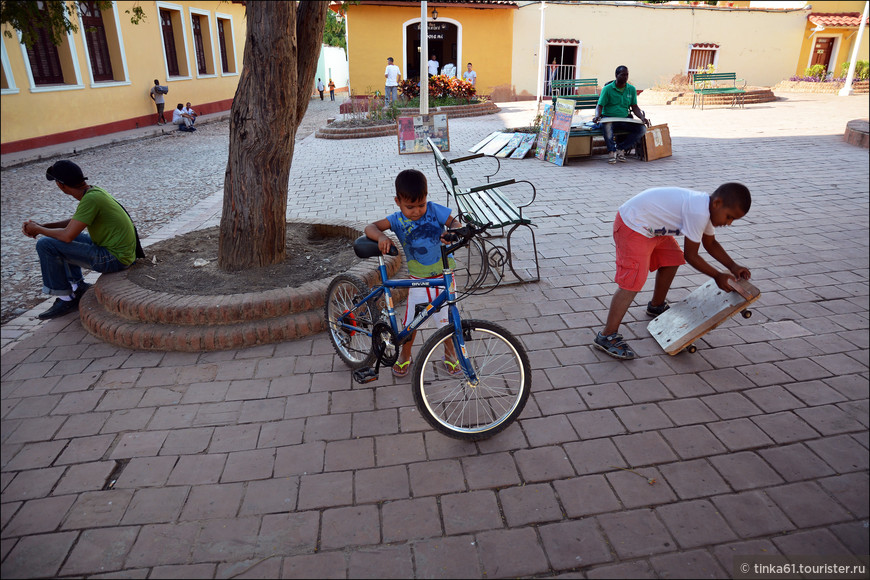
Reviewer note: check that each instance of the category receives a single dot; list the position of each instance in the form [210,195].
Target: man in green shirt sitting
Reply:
[110,245]
[619,99]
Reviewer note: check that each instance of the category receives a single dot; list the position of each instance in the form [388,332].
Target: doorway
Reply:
[561,64]
[822,51]
[443,45]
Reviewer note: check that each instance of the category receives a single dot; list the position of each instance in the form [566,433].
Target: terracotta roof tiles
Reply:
[836,20]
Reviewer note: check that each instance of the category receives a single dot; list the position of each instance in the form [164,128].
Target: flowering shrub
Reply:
[410,89]
[445,86]
[440,86]
[815,79]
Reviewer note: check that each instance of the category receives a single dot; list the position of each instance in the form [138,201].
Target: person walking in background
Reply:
[393,76]
[331,90]
[470,76]
[157,96]
[320,88]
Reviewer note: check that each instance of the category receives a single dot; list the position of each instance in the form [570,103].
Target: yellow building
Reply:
[479,32]
[830,35]
[98,80]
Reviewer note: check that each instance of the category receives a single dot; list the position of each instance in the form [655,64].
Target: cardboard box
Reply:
[579,147]
[656,143]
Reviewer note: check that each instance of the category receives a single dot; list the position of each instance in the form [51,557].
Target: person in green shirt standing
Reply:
[619,99]
[110,245]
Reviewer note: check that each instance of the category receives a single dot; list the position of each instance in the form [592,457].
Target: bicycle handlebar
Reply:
[463,235]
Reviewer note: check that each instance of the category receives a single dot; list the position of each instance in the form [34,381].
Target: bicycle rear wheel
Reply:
[345,314]
[455,407]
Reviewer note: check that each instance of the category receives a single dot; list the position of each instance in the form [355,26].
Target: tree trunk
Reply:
[282,46]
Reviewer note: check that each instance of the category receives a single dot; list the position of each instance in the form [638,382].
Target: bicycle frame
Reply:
[447,296]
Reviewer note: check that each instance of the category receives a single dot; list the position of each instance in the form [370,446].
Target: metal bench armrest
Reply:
[485,186]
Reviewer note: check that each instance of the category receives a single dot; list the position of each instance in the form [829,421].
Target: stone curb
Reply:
[122,313]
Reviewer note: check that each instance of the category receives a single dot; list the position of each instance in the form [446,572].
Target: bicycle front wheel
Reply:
[350,320]
[462,410]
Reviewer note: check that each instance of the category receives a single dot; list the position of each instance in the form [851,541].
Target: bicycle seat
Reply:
[363,247]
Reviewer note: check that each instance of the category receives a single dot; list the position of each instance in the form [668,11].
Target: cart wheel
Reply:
[746,314]
[692,349]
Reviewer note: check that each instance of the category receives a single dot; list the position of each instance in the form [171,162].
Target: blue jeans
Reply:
[62,262]
[391,94]
[634,132]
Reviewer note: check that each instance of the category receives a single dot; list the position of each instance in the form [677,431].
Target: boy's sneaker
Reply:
[656,310]
[614,345]
[612,159]
[620,156]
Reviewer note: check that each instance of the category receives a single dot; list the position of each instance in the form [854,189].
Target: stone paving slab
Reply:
[271,462]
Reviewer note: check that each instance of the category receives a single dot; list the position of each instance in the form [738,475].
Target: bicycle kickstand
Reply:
[368,374]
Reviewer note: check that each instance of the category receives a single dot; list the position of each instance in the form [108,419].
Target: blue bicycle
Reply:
[482,399]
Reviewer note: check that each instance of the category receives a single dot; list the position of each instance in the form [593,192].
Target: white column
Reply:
[541,58]
[424,60]
[847,86]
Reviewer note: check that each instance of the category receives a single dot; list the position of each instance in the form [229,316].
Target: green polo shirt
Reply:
[108,224]
[617,102]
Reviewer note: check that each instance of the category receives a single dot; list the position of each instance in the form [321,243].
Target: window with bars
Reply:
[45,60]
[169,42]
[95,37]
[198,44]
[222,40]
[701,56]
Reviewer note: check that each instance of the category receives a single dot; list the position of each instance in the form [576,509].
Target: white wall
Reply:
[332,60]
[653,42]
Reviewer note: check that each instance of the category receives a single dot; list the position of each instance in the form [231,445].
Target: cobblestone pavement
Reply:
[155,175]
[271,462]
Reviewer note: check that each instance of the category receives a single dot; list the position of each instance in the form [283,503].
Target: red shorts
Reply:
[637,255]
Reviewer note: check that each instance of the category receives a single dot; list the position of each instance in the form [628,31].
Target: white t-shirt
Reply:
[470,76]
[392,73]
[433,67]
[319,85]
[158,97]
[669,211]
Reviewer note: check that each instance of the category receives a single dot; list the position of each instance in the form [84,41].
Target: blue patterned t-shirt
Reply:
[421,239]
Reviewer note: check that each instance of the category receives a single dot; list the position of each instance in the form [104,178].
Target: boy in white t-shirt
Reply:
[644,231]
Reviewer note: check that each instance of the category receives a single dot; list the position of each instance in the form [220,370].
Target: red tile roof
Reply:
[836,20]
[705,45]
[563,41]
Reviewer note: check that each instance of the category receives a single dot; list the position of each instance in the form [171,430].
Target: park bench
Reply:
[718,84]
[484,204]
[569,87]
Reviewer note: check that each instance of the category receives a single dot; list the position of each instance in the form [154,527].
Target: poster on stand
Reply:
[544,133]
[557,146]
[413,132]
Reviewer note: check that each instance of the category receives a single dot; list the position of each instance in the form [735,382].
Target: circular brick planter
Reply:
[858,133]
[125,314]
[453,112]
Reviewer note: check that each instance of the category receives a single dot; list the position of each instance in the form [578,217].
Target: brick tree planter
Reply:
[453,112]
[858,133]
[125,314]
[753,95]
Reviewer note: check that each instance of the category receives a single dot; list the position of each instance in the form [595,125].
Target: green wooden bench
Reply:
[584,103]
[718,84]
[570,87]
[485,204]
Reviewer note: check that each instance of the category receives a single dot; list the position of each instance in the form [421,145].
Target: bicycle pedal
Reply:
[365,375]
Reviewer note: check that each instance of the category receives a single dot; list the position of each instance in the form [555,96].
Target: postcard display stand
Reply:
[413,132]
[557,146]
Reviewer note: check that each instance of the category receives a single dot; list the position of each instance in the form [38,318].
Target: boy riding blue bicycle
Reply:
[419,225]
